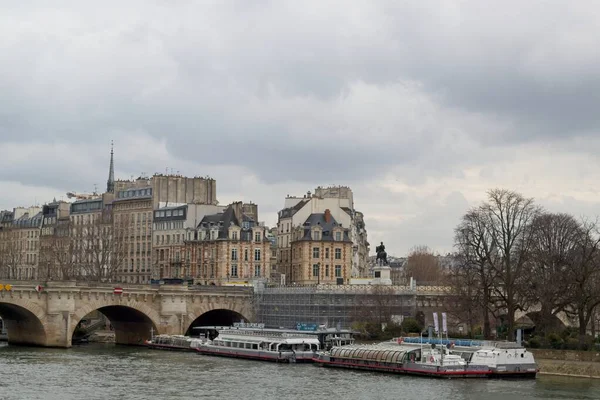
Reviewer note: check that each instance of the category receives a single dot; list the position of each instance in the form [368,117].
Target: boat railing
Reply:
[456,342]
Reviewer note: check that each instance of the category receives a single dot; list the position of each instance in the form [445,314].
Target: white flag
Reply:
[444,323]
[436,324]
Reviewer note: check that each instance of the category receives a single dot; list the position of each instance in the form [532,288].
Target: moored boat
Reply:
[504,359]
[250,345]
[432,361]
[327,337]
[174,342]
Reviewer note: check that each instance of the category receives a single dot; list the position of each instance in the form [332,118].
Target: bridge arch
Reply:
[23,320]
[133,322]
[223,313]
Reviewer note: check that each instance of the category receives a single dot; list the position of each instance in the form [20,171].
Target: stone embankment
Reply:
[583,364]
[102,337]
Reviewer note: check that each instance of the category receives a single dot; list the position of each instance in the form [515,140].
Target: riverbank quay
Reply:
[579,364]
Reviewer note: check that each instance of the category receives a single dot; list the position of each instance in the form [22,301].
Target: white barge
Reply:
[251,345]
[431,360]
[504,359]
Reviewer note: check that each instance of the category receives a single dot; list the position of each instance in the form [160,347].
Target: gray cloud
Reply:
[441,98]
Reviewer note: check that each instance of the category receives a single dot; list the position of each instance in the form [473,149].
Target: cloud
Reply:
[419,107]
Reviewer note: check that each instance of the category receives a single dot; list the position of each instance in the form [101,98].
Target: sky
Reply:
[420,107]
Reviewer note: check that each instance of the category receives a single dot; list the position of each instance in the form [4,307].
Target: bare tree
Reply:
[553,246]
[11,255]
[584,275]
[99,251]
[474,280]
[508,218]
[57,253]
[423,265]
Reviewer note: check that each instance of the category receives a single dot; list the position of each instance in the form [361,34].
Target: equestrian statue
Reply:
[381,254]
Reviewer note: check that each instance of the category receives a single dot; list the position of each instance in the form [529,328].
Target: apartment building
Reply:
[340,203]
[229,247]
[321,251]
[132,223]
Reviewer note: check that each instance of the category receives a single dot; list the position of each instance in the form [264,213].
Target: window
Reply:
[234,270]
[315,269]
[338,271]
[256,254]
[338,236]
[245,254]
[234,255]
[327,253]
[234,235]
[315,252]
[257,237]
[327,270]
[316,235]
[257,270]
[338,254]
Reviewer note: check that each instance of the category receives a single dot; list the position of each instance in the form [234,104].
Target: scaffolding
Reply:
[332,305]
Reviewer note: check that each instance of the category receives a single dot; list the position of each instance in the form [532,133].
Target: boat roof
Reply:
[275,330]
[259,339]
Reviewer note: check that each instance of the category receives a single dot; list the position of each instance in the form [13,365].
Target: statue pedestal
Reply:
[381,275]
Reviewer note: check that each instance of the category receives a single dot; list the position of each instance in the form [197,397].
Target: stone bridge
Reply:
[49,317]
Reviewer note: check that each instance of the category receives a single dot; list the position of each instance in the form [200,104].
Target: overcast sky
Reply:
[419,106]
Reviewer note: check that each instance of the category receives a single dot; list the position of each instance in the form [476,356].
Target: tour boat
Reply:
[251,345]
[174,342]
[504,359]
[432,360]
[327,337]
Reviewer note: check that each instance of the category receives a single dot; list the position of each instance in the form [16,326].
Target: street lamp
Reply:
[318,273]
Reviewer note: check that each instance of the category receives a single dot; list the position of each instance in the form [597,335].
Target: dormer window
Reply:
[234,235]
[316,235]
[338,236]
[257,237]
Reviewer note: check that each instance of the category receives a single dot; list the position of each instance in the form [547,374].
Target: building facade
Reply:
[98,251]
[321,252]
[20,243]
[176,189]
[132,223]
[340,203]
[228,248]
[173,225]
[55,246]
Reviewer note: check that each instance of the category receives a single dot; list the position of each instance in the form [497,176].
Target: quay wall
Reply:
[582,364]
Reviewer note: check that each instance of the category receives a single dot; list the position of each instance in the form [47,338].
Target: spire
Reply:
[110,184]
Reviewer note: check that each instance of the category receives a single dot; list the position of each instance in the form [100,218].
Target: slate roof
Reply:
[223,220]
[26,222]
[319,220]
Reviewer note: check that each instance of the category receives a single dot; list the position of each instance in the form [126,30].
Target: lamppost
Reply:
[318,273]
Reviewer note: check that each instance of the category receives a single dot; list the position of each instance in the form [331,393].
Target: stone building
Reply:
[177,189]
[99,251]
[339,200]
[20,243]
[228,247]
[173,225]
[55,250]
[321,251]
[132,222]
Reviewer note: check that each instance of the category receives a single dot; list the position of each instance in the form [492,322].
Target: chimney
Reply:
[327,216]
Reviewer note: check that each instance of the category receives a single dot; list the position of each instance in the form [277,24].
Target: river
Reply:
[98,371]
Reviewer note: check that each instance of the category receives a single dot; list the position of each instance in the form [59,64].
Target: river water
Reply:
[98,371]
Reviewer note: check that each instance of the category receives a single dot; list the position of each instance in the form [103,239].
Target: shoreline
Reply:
[568,375]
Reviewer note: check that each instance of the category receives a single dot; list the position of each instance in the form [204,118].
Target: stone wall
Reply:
[566,355]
